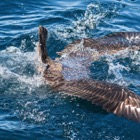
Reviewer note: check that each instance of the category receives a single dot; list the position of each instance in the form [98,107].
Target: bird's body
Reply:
[70,72]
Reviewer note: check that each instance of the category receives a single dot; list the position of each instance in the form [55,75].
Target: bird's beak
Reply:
[43,33]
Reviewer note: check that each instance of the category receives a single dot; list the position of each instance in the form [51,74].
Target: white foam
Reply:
[11,49]
[79,27]
[117,68]
[13,64]
[90,19]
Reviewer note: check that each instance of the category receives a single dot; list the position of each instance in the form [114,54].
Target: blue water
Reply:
[30,110]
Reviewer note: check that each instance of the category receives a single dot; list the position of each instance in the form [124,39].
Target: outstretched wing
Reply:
[84,52]
[111,97]
[110,43]
[119,41]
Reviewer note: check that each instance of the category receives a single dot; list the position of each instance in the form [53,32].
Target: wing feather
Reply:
[111,97]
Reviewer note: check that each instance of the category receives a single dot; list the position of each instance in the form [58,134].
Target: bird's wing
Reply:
[111,97]
[119,41]
[111,43]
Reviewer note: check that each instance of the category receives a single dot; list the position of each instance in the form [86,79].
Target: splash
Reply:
[20,66]
[19,77]
[31,111]
[121,71]
[90,19]
[78,28]
[83,25]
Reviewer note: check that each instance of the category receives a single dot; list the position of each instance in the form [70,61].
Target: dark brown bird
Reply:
[69,73]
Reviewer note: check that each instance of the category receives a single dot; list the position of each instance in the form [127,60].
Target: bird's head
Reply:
[52,70]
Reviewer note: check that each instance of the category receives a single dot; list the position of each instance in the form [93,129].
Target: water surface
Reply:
[31,110]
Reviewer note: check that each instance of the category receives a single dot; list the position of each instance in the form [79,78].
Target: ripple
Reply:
[28,108]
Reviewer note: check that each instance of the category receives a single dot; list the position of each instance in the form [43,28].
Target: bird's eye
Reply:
[47,67]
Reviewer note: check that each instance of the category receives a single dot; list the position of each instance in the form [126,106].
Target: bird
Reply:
[68,73]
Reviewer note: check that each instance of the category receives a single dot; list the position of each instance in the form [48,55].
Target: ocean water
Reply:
[29,109]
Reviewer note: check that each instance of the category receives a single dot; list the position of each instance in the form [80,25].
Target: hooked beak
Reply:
[43,34]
